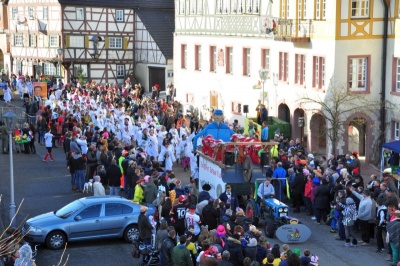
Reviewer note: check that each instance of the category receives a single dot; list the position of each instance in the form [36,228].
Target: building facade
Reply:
[97,40]
[230,53]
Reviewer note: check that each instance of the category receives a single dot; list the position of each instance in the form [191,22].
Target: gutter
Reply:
[386,4]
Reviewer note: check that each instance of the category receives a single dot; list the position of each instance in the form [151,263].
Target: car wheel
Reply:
[131,233]
[56,240]
[269,227]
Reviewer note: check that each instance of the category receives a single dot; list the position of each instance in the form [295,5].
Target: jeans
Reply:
[395,255]
[364,226]
[73,179]
[79,179]
[114,191]
[129,193]
[334,224]
[41,136]
[341,227]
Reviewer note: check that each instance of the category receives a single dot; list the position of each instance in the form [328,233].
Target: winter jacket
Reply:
[225,263]
[204,195]
[167,247]
[235,249]
[298,184]
[208,261]
[250,252]
[114,175]
[144,227]
[364,209]
[210,216]
[321,194]
[181,256]
[139,194]
[261,253]
[307,189]
[150,192]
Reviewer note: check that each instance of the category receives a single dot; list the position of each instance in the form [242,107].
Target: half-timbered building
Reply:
[105,41]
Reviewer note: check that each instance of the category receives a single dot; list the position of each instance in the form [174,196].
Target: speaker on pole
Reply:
[245,109]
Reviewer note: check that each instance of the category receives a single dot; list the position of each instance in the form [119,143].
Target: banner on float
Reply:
[210,173]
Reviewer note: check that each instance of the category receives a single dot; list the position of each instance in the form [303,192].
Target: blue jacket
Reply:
[280,173]
[221,131]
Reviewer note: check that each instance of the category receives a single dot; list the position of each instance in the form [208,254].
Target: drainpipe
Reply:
[381,140]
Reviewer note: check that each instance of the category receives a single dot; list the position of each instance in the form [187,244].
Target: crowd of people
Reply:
[117,139]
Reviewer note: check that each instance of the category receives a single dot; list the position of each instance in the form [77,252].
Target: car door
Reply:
[116,217]
[87,223]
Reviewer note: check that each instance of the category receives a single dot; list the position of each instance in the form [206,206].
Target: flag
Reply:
[255,189]
[287,189]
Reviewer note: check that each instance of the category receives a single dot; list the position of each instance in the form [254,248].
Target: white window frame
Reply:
[225,7]
[54,41]
[45,11]
[80,13]
[84,67]
[360,8]
[19,40]
[199,7]
[397,73]
[120,71]
[14,12]
[358,74]
[230,60]
[218,7]
[50,70]
[119,15]
[115,43]
[267,57]
[182,6]
[248,61]
[249,6]
[301,9]
[31,12]
[18,66]
[320,9]
[32,40]
[198,50]
[77,41]
[318,72]
[192,7]
[396,130]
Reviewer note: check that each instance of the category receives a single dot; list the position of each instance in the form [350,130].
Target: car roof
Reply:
[104,199]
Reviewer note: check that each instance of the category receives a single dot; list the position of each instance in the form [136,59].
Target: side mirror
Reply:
[78,218]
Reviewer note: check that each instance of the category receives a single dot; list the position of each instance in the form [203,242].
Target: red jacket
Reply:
[307,189]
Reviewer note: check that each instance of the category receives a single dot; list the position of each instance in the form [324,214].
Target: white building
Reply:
[220,46]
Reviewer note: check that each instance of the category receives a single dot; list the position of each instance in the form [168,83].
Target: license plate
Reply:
[282,214]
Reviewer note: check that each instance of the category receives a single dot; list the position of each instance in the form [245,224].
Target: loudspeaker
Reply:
[245,109]
[264,158]
[229,158]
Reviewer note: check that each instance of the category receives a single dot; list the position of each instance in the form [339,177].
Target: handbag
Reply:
[135,252]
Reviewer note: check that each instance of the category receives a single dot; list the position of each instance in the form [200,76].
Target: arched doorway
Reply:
[299,125]
[284,112]
[318,134]
[357,135]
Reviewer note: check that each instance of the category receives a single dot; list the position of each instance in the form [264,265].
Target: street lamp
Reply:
[10,120]
[263,73]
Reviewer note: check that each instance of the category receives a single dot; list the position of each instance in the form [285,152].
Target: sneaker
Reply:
[352,245]
[378,250]
[313,218]
[52,160]
[333,231]
[44,160]
[347,244]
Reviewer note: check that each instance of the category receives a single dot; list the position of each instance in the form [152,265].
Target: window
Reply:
[359,8]
[183,56]
[120,71]
[236,108]
[117,209]
[77,41]
[301,9]
[119,15]
[54,41]
[246,61]
[115,43]
[225,6]
[283,66]
[396,70]
[19,40]
[318,72]
[50,70]
[182,7]
[192,7]
[197,57]
[213,58]
[80,68]
[300,69]
[284,9]
[45,12]
[189,98]
[30,12]
[358,73]
[91,212]
[80,13]
[265,59]
[218,7]
[229,60]
[396,130]
[32,40]
[18,65]
[320,9]
[199,6]
[252,6]
[14,13]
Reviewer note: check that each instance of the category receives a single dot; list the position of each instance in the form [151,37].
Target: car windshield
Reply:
[67,210]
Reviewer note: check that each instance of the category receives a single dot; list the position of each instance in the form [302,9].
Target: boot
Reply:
[51,157]
[45,157]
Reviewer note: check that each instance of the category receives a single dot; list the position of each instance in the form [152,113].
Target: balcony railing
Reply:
[292,30]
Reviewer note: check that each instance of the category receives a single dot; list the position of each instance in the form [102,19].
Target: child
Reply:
[286,250]
[305,260]
[381,214]
[314,260]
[334,216]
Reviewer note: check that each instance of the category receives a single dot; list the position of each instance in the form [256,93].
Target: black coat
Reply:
[210,216]
[144,227]
[235,249]
[114,175]
[250,252]
[167,246]
[298,184]
[321,194]
[204,195]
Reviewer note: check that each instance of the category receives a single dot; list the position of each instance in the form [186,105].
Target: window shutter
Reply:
[86,41]
[106,42]
[67,41]
[25,40]
[13,38]
[59,41]
[126,42]
[46,41]
[34,40]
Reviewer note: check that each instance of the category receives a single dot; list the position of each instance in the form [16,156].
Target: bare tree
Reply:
[336,105]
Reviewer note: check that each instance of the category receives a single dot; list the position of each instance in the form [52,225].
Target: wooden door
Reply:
[157,76]
[214,99]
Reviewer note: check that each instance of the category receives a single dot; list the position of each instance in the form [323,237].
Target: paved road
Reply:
[46,187]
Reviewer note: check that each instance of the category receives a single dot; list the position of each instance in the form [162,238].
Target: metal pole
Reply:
[263,92]
[12,202]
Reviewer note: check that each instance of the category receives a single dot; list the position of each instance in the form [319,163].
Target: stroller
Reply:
[150,256]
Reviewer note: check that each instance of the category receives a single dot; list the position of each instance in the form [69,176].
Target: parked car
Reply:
[84,219]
